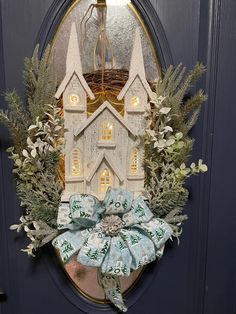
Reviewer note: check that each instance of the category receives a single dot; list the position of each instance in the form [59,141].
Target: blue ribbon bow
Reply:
[117,235]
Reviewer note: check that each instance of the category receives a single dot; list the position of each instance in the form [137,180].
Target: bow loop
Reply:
[117,201]
[139,213]
[85,209]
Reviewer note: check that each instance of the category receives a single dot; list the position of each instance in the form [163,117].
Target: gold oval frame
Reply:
[84,294]
[158,66]
[137,15]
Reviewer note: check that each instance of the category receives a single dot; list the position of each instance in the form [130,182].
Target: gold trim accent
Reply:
[137,15]
[84,294]
[62,21]
[154,54]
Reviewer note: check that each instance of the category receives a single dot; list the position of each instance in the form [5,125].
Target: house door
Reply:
[196,277]
[102,180]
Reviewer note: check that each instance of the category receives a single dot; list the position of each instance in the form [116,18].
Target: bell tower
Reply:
[74,91]
[136,92]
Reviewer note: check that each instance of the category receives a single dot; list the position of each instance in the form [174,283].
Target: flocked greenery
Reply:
[168,145]
[36,130]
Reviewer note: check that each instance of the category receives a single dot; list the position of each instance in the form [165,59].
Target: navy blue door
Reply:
[198,277]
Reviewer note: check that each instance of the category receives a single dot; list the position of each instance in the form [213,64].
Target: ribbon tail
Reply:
[111,287]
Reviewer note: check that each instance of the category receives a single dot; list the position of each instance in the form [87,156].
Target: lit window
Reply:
[75,162]
[74,99]
[107,131]
[134,161]
[105,180]
[135,101]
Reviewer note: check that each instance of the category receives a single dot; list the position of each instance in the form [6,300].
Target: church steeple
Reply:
[73,59]
[137,61]
[137,69]
[137,91]
[74,67]
[74,91]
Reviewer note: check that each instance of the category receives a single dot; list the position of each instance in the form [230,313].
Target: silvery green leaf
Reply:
[165,110]
[168,129]
[26,228]
[14,227]
[18,162]
[160,144]
[182,166]
[33,153]
[193,165]
[180,144]
[183,172]
[10,150]
[178,136]
[155,145]
[25,153]
[29,142]
[170,142]
[203,168]
[32,127]
[22,219]
[170,149]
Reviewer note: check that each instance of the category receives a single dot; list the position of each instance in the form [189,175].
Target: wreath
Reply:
[120,221]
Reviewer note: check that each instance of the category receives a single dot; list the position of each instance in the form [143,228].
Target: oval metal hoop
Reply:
[48,28]
[156,31]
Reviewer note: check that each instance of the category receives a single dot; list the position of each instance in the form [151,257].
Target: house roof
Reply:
[73,65]
[137,68]
[104,106]
[104,156]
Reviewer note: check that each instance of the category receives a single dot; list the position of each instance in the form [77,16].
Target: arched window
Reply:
[107,131]
[105,180]
[134,101]
[134,161]
[75,162]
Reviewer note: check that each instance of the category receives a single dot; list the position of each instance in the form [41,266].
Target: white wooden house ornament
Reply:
[101,151]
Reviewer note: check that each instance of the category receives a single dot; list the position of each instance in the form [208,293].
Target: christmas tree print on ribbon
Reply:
[117,236]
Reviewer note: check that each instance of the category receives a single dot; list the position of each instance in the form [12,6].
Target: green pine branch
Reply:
[16,119]
[168,145]
[40,82]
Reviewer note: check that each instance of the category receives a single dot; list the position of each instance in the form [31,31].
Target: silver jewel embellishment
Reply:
[111,225]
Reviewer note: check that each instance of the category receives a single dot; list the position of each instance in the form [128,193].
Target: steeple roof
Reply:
[73,65]
[137,68]
[137,61]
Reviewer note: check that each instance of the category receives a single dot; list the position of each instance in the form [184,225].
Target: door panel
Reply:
[197,277]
